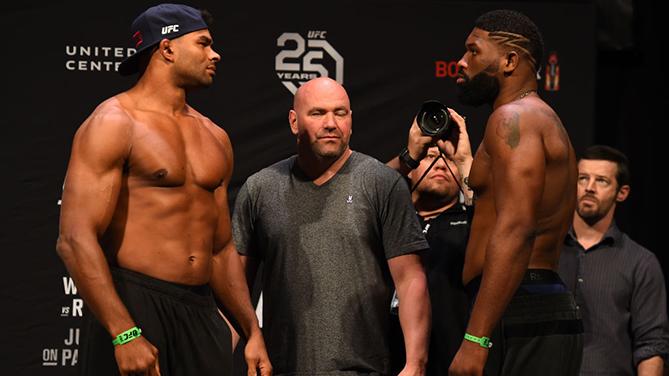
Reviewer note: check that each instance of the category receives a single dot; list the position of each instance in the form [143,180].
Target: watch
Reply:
[407,160]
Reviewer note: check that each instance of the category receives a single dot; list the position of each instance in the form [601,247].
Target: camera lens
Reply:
[438,119]
[433,119]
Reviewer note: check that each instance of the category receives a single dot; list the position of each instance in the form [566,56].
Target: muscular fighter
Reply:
[524,176]
[145,227]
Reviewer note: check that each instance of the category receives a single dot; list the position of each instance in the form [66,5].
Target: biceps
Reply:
[518,179]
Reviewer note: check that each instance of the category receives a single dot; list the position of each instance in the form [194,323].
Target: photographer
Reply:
[445,220]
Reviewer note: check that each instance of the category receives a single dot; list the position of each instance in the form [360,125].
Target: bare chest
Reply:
[479,175]
[169,152]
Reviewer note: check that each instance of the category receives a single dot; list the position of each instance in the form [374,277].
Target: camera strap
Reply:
[441,155]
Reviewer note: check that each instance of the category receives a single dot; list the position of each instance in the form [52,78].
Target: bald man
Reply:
[334,228]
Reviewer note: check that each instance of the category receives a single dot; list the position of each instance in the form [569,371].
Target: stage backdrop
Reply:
[59,63]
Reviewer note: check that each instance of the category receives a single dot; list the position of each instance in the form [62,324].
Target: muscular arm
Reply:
[518,172]
[517,169]
[90,193]
[228,278]
[92,186]
[414,309]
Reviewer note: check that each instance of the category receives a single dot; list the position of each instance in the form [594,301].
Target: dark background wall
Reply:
[610,56]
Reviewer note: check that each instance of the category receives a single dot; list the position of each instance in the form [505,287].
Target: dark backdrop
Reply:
[59,60]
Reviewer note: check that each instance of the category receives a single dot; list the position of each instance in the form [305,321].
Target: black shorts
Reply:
[541,332]
[181,321]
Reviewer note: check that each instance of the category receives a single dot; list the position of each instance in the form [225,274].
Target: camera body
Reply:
[434,119]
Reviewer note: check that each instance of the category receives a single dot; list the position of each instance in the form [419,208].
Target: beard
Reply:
[322,150]
[594,211]
[480,89]
[330,151]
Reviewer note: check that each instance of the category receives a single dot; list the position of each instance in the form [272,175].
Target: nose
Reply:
[329,121]
[462,64]
[440,163]
[590,187]
[216,57]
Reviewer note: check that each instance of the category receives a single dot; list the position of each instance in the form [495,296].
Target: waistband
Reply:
[542,315]
[535,281]
[195,295]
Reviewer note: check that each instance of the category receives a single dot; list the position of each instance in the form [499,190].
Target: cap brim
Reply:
[130,65]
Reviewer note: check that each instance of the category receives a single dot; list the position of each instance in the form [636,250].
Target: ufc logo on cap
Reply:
[170,29]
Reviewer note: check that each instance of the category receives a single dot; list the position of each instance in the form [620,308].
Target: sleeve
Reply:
[648,309]
[243,223]
[401,231]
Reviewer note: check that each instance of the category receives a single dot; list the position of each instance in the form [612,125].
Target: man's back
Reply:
[536,131]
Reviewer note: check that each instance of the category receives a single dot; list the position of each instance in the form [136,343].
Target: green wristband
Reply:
[127,336]
[482,341]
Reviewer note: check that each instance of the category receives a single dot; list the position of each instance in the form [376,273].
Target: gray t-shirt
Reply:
[326,283]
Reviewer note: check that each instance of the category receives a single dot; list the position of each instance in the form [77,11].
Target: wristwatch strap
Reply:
[407,160]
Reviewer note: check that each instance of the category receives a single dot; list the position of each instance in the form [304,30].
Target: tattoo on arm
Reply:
[509,130]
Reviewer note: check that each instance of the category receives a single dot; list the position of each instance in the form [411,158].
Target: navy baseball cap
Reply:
[158,23]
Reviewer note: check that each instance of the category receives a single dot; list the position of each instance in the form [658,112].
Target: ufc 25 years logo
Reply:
[300,60]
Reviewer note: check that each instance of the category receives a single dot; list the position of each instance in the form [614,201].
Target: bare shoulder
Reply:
[106,132]
[552,126]
[507,126]
[212,127]
[529,119]
[108,116]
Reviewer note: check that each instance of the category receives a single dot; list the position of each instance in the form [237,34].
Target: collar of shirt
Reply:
[611,237]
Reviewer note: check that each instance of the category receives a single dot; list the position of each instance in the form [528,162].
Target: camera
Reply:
[434,119]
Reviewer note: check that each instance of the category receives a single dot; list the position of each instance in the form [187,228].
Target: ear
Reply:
[292,120]
[165,49]
[622,194]
[510,62]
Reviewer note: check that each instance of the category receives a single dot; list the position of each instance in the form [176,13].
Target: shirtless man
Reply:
[524,175]
[145,227]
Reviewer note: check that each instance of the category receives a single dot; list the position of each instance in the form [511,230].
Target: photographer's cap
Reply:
[157,23]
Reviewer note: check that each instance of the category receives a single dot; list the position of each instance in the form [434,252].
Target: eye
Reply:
[341,112]
[602,182]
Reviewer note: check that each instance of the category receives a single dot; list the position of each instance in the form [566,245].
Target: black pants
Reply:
[181,321]
[541,332]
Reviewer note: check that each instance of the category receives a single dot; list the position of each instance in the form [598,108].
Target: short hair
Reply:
[607,153]
[514,30]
